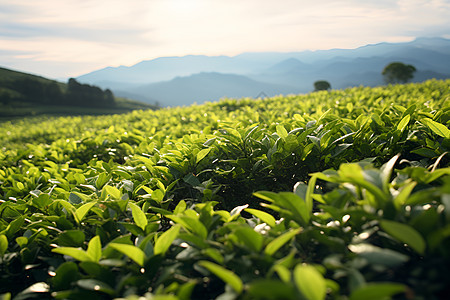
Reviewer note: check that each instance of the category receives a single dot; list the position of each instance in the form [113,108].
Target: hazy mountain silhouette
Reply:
[205,86]
[183,80]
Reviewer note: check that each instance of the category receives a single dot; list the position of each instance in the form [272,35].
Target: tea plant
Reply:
[336,195]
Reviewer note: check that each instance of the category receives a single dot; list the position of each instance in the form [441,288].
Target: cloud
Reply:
[94,33]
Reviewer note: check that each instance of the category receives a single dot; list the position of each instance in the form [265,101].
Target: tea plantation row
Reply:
[330,195]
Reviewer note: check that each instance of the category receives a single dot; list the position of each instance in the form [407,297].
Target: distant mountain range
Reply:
[172,81]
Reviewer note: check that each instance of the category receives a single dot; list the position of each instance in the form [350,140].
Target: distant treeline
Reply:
[26,89]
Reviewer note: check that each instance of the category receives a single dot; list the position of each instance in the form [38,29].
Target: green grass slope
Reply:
[23,94]
[331,195]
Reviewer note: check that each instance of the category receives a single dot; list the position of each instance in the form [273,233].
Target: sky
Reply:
[67,38]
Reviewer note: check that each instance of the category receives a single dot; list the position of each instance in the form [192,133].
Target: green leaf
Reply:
[67,206]
[403,123]
[158,195]
[426,152]
[3,244]
[406,234]
[283,273]
[83,210]
[281,131]
[202,154]
[214,254]
[437,128]
[310,282]
[102,179]
[20,185]
[113,192]
[352,172]
[42,201]
[249,237]
[322,117]
[265,195]
[76,253]
[277,243]
[185,290]
[376,291]
[386,171]
[310,192]
[181,207]
[138,215]
[226,275]
[133,252]
[402,197]
[94,249]
[263,216]
[14,226]
[163,242]
[79,178]
[191,224]
[296,205]
[6,296]
[21,241]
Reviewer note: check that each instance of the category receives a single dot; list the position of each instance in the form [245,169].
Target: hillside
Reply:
[23,94]
[295,71]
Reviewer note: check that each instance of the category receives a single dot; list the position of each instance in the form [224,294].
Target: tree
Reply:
[322,85]
[397,72]
[87,95]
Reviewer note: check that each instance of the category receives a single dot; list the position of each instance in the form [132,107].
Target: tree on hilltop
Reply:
[322,85]
[397,72]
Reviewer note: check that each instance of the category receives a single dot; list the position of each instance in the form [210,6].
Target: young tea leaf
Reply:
[13,227]
[310,282]
[133,252]
[310,192]
[94,249]
[281,131]
[138,215]
[113,192]
[277,243]
[83,210]
[403,123]
[165,240]
[263,216]
[202,154]
[76,253]
[437,128]
[3,244]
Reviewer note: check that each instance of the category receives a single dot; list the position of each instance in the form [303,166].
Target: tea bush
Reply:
[330,195]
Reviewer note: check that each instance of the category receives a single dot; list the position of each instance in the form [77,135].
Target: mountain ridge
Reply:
[297,70]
